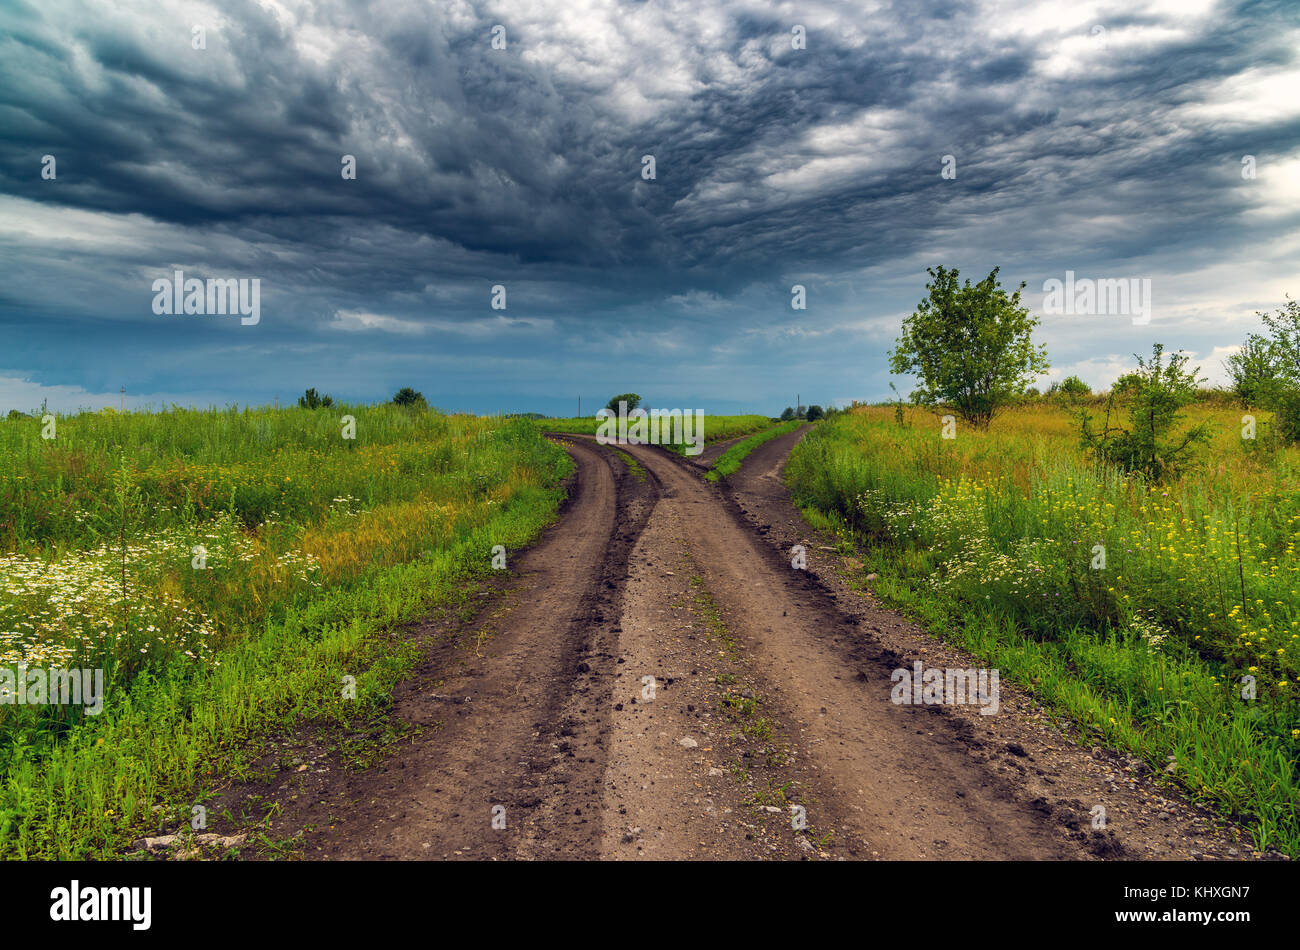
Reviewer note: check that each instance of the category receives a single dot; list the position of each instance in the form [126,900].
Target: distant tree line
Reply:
[406,396]
[807,413]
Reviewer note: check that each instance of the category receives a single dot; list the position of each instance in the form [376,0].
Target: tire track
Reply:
[515,712]
[537,707]
[895,780]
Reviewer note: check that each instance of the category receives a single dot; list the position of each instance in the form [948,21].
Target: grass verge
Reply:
[729,461]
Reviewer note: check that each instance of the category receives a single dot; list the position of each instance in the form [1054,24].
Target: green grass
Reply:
[729,461]
[634,468]
[318,549]
[989,540]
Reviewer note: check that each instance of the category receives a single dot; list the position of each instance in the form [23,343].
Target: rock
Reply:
[872,576]
[687,742]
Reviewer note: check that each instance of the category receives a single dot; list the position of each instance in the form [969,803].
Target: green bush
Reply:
[1152,396]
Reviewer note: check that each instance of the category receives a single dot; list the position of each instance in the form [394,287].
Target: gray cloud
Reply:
[1114,154]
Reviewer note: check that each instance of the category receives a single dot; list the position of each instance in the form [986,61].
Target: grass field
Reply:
[227,569]
[991,538]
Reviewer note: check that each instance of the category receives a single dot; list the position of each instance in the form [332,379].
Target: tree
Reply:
[787,414]
[1255,372]
[1073,386]
[310,400]
[1284,339]
[1152,396]
[632,400]
[814,413]
[1266,372]
[969,346]
[406,396]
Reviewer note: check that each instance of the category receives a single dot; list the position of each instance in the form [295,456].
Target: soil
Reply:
[654,679]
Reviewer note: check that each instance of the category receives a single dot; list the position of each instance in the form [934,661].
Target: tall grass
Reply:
[998,537]
[218,565]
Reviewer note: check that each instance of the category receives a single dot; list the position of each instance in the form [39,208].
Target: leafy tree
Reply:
[1284,339]
[1266,372]
[787,414]
[969,346]
[632,400]
[406,396]
[814,413]
[1152,396]
[310,400]
[1074,386]
[1254,371]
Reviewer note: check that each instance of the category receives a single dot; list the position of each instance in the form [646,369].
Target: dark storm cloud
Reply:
[479,166]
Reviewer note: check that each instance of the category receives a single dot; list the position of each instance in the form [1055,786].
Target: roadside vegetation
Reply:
[227,570]
[729,461]
[1129,557]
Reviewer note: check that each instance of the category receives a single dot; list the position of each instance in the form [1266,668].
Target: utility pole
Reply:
[124,399]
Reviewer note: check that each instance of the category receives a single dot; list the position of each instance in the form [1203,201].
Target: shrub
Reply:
[1071,387]
[1152,396]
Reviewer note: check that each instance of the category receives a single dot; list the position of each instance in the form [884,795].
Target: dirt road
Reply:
[656,680]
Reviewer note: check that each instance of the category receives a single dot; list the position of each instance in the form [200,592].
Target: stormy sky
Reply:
[1117,140]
